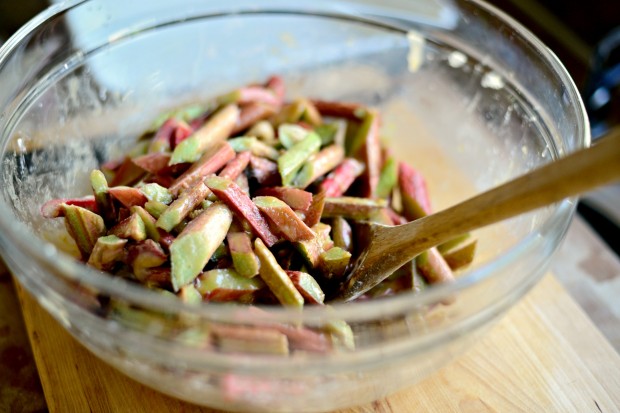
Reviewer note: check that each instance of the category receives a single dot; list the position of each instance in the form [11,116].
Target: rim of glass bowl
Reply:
[354,311]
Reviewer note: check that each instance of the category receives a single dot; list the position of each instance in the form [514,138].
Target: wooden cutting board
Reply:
[544,356]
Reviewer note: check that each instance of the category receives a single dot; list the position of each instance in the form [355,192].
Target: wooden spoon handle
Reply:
[572,175]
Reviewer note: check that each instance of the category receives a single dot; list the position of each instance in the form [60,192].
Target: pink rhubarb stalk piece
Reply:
[233,196]
[341,178]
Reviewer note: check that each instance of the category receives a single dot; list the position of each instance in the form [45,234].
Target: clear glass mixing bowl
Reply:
[470,98]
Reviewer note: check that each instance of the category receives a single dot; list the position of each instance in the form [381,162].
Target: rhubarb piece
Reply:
[299,110]
[250,94]
[315,211]
[264,171]
[342,234]
[193,248]
[387,179]
[307,286]
[169,134]
[157,193]
[338,181]
[332,133]
[397,219]
[366,147]
[186,114]
[312,249]
[292,160]
[107,252]
[214,158]
[460,256]
[297,199]
[253,145]
[284,218]
[128,196]
[190,295]
[289,134]
[84,226]
[227,285]
[453,243]
[263,131]
[102,196]
[311,114]
[351,111]
[53,208]
[230,193]
[318,165]
[182,206]
[249,340]
[357,209]
[150,225]
[155,208]
[413,192]
[276,85]
[243,183]
[333,262]
[381,216]
[276,278]
[236,166]
[143,256]
[252,113]
[127,174]
[244,260]
[217,129]
[341,334]
[131,227]
[433,267]
[154,163]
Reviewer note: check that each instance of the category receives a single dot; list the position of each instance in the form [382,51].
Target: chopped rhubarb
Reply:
[413,192]
[339,181]
[297,199]
[284,218]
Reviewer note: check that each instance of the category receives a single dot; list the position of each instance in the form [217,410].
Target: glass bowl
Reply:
[468,96]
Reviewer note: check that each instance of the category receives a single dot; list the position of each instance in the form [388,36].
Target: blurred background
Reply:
[584,34]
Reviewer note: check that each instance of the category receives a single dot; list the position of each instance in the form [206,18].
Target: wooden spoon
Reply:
[388,248]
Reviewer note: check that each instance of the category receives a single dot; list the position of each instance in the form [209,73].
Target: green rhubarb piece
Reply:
[216,129]
[318,165]
[185,114]
[284,218]
[333,132]
[193,248]
[243,340]
[333,262]
[381,216]
[84,226]
[220,252]
[311,250]
[138,319]
[342,234]
[433,267]
[244,260]
[149,222]
[461,256]
[276,278]
[263,131]
[292,160]
[453,243]
[190,295]
[290,134]
[108,251]
[357,209]
[157,193]
[359,139]
[182,206]
[307,286]
[198,337]
[131,227]
[226,284]
[99,184]
[155,208]
[341,334]
[253,145]
[387,179]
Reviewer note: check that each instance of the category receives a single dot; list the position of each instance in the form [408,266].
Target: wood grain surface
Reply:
[544,356]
